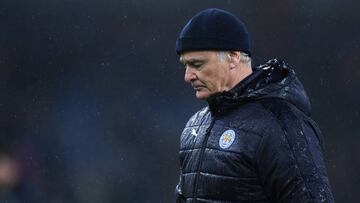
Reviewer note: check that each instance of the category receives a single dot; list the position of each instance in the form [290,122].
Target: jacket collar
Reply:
[271,80]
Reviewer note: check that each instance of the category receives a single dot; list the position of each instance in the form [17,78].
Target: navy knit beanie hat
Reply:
[214,29]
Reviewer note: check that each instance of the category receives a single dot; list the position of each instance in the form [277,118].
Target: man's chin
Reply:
[202,95]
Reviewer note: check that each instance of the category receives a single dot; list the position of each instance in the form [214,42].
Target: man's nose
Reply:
[189,75]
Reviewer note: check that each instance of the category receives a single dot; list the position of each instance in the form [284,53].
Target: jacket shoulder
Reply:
[284,111]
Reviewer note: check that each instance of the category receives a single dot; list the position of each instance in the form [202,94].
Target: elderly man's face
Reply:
[206,72]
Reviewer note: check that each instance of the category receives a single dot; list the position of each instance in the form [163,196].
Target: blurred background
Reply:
[92,98]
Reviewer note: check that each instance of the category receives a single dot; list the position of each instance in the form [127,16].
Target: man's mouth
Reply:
[197,88]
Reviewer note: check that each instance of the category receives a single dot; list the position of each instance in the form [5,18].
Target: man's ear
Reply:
[234,59]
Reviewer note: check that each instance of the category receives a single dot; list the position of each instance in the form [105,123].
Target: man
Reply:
[255,141]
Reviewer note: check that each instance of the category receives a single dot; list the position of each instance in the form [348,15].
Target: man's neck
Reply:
[240,75]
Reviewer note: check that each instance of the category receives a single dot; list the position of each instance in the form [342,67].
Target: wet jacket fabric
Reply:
[254,143]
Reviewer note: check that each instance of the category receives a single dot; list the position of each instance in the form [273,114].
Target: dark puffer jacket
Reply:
[255,143]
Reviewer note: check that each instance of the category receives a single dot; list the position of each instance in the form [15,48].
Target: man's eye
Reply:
[197,65]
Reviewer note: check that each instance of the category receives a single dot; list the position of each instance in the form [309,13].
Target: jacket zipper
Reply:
[203,147]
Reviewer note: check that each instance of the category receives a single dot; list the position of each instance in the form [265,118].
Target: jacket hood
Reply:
[273,79]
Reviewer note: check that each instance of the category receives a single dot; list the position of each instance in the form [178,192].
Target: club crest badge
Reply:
[226,139]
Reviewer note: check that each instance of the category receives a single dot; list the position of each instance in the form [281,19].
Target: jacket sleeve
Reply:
[290,163]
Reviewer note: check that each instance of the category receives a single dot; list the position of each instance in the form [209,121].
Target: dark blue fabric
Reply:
[276,154]
[214,29]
